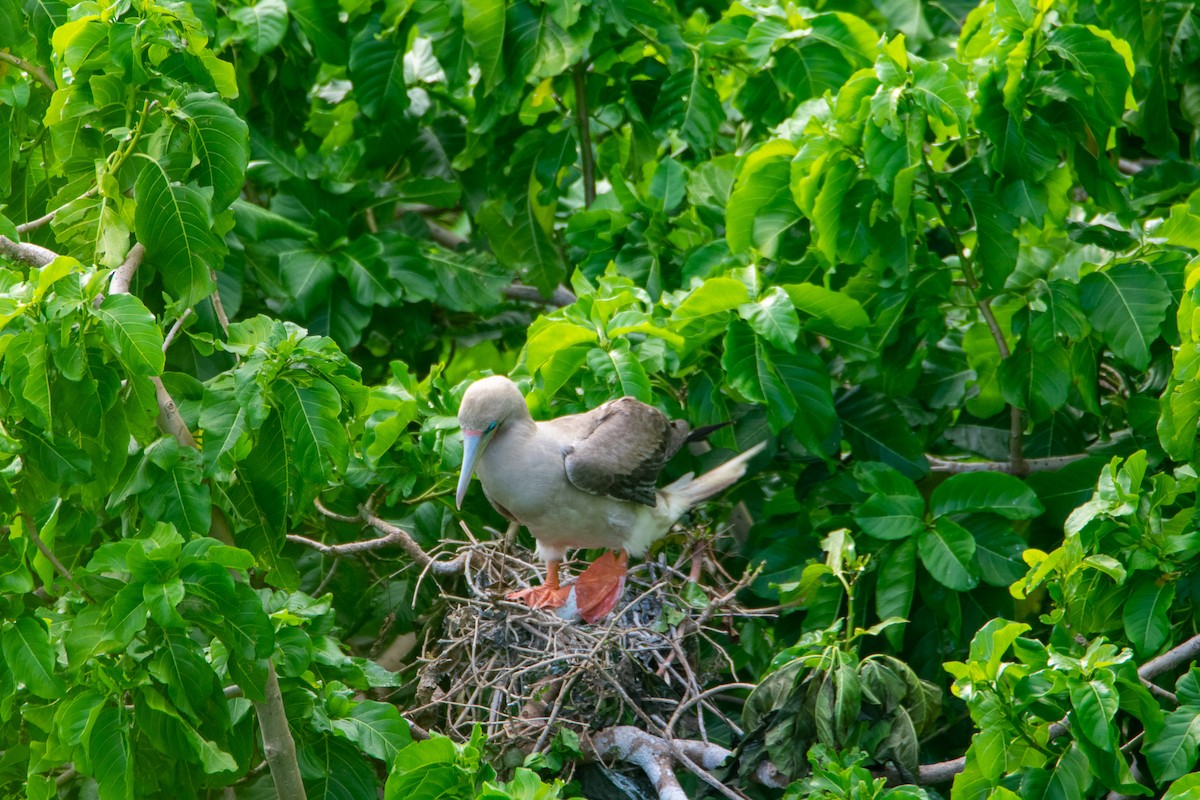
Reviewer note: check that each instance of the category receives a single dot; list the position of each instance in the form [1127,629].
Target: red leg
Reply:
[548,595]
[600,586]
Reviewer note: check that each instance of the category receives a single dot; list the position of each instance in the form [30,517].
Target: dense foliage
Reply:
[940,255]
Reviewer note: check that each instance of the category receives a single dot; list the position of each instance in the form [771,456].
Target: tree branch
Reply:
[32,532]
[392,535]
[562,296]
[218,306]
[583,125]
[122,277]
[29,68]
[170,337]
[278,745]
[939,464]
[26,252]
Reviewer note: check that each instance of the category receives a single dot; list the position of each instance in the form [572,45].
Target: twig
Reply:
[444,236]
[32,532]
[1052,464]
[1175,657]
[579,74]
[29,68]
[170,337]
[218,306]
[391,535]
[47,217]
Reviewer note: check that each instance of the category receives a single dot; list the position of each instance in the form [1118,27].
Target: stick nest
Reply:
[524,674]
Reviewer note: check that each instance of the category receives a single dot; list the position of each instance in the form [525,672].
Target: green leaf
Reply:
[878,432]
[1069,780]
[318,19]
[106,742]
[172,221]
[334,770]
[891,517]
[714,296]
[1096,58]
[688,104]
[761,212]
[377,728]
[994,492]
[1172,752]
[841,310]
[30,658]
[377,71]
[668,186]
[1147,615]
[774,319]
[221,142]
[1127,304]
[940,92]
[1036,381]
[896,586]
[483,24]
[263,24]
[948,552]
[1094,704]
[750,370]
[310,419]
[131,331]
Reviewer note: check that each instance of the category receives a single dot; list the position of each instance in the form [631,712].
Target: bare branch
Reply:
[31,69]
[414,550]
[1173,658]
[123,276]
[218,306]
[444,236]
[47,217]
[169,419]
[561,296]
[32,532]
[170,337]
[653,754]
[278,745]
[939,464]
[26,252]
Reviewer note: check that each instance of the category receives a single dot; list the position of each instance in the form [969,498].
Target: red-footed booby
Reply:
[583,480]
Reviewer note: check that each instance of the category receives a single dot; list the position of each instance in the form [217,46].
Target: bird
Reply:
[584,480]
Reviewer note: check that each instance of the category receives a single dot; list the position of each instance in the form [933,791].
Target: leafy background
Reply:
[940,255]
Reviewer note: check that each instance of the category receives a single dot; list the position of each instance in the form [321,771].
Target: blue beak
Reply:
[473,444]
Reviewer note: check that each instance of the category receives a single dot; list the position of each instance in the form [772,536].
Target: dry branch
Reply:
[392,535]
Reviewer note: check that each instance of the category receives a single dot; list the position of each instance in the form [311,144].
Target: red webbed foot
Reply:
[600,586]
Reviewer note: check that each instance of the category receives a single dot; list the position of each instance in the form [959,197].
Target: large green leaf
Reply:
[994,492]
[221,142]
[310,419]
[1147,615]
[318,19]
[895,586]
[377,70]
[948,551]
[263,24]
[172,221]
[483,24]
[774,318]
[1097,59]
[377,728]
[761,211]
[132,333]
[1172,751]
[1127,303]
[106,741]
[689,104]
[878,432]
[30,658]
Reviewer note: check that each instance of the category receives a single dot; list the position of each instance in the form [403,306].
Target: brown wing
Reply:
[620,448]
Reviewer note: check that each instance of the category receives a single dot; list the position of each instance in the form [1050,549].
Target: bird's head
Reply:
[486,406]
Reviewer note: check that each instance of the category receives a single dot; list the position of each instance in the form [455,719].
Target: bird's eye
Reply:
[491,427]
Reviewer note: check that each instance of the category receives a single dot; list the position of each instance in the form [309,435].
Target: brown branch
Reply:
[43,548]
[444,236]
[29,68]
[583,125]
[1175,657]
[392,535]
[1052,464]
[562,296]
[122,277]
[26,252]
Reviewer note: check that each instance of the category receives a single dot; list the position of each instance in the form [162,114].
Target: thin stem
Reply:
[29,68]
[175,329]
[583,122]
[218,306]
[32,532]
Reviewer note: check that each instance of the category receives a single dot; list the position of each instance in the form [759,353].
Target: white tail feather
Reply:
[688,492]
